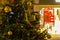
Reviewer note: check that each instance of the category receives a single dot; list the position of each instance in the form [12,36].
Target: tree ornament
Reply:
[9,33]
[7,9]
[12,13]
[21,26]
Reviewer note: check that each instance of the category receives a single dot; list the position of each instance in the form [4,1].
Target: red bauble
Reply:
[9,32]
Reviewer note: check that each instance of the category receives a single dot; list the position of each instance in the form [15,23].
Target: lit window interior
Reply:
[56,25]
[57,0]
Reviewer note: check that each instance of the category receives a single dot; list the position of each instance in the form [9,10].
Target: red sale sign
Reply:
[48,15]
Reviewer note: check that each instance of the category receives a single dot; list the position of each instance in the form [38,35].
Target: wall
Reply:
[38,7]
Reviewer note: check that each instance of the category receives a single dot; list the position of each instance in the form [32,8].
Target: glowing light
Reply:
[56,28]
[57,0]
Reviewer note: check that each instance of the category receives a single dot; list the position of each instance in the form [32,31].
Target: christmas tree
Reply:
[19,22]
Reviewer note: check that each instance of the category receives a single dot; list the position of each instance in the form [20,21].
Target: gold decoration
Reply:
[29,3]
[9,32]
[21,26]
[7,9]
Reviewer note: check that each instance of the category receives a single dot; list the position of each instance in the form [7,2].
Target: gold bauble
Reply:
[7,9]
[22,26]
[9,32]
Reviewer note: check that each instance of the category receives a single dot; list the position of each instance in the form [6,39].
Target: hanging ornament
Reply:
[22,26]
[7,9]
[9,33]
[12,13]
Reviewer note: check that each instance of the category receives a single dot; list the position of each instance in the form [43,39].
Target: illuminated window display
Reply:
[50,19]
[57,0]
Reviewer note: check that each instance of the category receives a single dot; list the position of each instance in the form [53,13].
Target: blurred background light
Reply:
[57,0]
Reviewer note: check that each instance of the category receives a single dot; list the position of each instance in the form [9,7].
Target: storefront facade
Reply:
[53,26]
